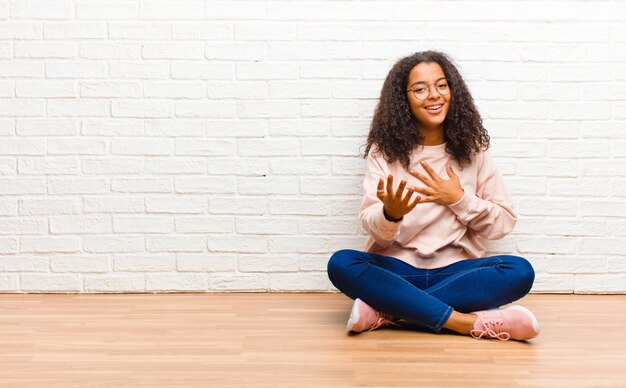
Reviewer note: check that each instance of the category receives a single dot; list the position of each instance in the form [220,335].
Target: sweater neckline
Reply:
[432,150]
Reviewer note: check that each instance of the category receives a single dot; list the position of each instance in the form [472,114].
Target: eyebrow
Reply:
[423,82]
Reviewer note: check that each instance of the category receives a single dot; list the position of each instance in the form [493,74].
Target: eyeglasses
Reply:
[422,90]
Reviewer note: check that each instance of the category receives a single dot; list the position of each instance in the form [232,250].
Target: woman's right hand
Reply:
[395,205]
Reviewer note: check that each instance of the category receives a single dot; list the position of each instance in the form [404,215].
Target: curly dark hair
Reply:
[394,128]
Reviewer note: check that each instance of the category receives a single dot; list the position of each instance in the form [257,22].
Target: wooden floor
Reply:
[292,340]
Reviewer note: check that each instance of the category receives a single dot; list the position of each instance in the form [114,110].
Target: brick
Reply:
[243,205]
[205,224]
[268,147]
[298,244]
[187,90]
[143,147]
[213,110]
[140,70]
[46,127]
[176,165]
[196,147]
[143,185]
[175,128]
[235,10]
[211,185]
[300,166]
[106,166]
[144,262]
[223,281]
[175,243]
[140,31]
[201,31]
[304,281]
[8,207]
[239,166]
[94,10]
[263,31]
[267,185]
[238,244]
[546,245]
[239,128]
[111,89]
[547,207]
[177,282]
[172,204]
[59,10]
[168,10]
[115,283]
[44,50]
[113,244]
[208,71]
[177,50]
[142,109]
[77,108]
[206,262]
[47,166]
[600,284]
[22,186]
[74,30]
[113,204]
[72,146]
[266,225]
[24,264]
[50,283]
[50,206]
[267,263]
[49,244]
[75,70]
[237,52]
[299,127]
[80,263]
[117,50]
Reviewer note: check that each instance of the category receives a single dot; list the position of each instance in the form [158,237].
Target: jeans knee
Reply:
[338,262]
[524,271]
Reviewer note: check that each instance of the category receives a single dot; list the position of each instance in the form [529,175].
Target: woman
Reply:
[424,261]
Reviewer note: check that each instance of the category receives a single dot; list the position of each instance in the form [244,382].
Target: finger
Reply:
[428,199]
[380,189]
[431,172]
[450,172]
[400,189]
[407,197]
[424,179]
[417,200]
[390,185]
[424,190]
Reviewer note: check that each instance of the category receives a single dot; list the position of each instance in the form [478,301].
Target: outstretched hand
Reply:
[395,203]
[439,190]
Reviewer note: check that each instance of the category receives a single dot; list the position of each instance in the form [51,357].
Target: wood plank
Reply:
[298,339]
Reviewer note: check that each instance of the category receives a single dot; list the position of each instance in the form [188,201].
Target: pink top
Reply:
[434,235]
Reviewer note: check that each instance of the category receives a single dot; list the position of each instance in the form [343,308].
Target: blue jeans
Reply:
[427,297]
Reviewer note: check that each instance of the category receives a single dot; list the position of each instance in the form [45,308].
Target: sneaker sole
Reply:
[354,315]
[536,327]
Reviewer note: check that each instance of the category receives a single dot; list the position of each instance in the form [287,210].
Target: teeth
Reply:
[434,107]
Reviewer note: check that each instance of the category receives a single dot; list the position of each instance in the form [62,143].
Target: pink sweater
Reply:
[434,235]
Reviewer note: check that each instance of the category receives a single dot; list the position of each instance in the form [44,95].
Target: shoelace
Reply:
[382,321]
[493,328]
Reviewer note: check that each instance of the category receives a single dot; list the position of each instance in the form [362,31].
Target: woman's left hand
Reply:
[439,190]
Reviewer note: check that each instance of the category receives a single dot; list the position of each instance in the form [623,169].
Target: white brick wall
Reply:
[159,146]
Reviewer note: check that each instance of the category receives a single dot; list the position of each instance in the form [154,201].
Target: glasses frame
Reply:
[429,90]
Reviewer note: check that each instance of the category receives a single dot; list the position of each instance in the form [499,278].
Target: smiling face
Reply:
[430,112]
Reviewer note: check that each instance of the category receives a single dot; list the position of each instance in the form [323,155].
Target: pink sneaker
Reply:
[515,322]
[363,317]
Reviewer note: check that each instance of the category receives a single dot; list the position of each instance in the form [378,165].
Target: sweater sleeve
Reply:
[488,212]
[371,214]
